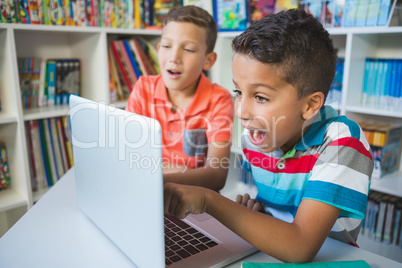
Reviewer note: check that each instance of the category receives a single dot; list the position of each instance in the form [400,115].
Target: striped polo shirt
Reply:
[332,163]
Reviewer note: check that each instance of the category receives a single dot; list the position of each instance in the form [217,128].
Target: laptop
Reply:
[119,185]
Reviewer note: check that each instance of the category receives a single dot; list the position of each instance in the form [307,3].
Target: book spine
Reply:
[62,143]
[118,58]
[5,164]
[68,140]
[132,59]
[51,82]
[32,167]
[41,176]
[56,148]
[44,150]
[384,12]
[50,151]
[137,53]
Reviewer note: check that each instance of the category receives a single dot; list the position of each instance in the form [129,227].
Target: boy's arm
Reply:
[212,175]
[299,241]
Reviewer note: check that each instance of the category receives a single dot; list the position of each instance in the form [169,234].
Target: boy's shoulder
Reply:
[329,126]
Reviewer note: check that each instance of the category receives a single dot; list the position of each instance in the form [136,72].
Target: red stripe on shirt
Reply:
[352,143]
[304,164]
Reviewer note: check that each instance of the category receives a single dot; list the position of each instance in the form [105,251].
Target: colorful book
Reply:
[260,8]
[23,8]
[4,164]
[231,15]
[132,58]
[32,168]
[285,5]
[50,150]
[56,148]
[51,82]
[128,67]
[161,8]
[9,11]
[119,59]
[62,143]
[42,98]
[39,164]
[114,73]
[44,150]
[34,12]
[143,50]
[67,139]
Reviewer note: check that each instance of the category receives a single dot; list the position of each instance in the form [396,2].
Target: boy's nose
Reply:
[243,111]
[174,56]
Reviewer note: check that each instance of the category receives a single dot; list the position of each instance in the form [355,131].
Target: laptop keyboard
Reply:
[183,241]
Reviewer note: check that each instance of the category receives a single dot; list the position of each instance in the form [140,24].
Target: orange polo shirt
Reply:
[185,133]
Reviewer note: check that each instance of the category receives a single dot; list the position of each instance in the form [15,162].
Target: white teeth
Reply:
[255,134]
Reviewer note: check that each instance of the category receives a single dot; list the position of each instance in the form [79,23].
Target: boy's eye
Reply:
[237,92]
[260,99]
[188,50]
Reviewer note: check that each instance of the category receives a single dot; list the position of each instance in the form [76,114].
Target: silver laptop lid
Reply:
[121,150]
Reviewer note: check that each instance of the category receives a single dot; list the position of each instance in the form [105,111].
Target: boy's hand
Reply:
[246,201]
[181,200]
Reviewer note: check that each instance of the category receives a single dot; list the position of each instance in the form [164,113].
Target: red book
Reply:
[118,57]
[127,64]
[145,57]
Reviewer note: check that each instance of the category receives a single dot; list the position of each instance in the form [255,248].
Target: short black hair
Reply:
[296,45]
[197,16]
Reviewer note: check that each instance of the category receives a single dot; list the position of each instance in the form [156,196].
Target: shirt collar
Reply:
[315,134]
[200,100]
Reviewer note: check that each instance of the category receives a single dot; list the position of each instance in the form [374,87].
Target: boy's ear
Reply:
[313,104]
[209,61]
[158,46]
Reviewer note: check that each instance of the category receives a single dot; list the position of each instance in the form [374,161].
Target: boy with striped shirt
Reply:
[307,161]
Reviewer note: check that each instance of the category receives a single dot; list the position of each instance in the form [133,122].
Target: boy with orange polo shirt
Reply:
[196,115]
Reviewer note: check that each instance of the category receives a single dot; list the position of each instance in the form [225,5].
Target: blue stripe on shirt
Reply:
[353,203]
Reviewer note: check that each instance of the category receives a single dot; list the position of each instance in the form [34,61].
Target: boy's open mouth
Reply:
[173,72]
[257,137]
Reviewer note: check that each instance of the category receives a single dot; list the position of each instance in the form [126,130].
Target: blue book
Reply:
[384,12]
[361,13]
[379,83]
[132,59]
[371,80]
[398,88]
[372,12]
[384,81]
[367,67]
[51,82]
[350,13]
[390,80]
